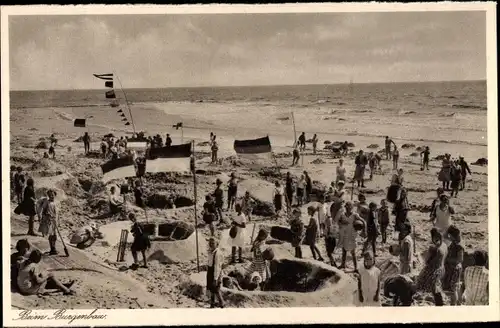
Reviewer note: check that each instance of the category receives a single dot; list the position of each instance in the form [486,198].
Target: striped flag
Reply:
[253,146]
[108,84]
[175,158]
[177,126]
[79,123]
[110,94]
[118,169]
[108,77]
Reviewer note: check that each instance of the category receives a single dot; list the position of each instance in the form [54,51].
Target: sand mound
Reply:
[419,148]
[42,145]
[318,161]
[481,161]
[263,208]
[414,154]
[327,142]
[373,146]
[160,200]
[22,160]
[439,158]
[46,168]
[79,139]
[203,144]
[406,146]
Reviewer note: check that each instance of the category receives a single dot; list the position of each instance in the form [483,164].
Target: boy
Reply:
[219,200]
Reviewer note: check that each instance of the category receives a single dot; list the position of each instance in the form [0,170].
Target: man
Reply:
[359,174]
[308,186]
[86,142]
[214,273]
[345,148]
[168,141]
[296,156]
[388,143]
[464,168]
[219,200]
[425,161]
[48,215]
[302,141]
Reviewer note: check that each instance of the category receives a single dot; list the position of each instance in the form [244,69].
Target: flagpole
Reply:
[294,131]
[126,101]
[182,135]
[195,210]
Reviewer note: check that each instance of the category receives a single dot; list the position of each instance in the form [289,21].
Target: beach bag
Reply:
[233,232]
[392,193]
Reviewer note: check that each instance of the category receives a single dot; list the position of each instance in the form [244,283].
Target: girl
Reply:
[141,242]
[442,215]
[29,200]
[383,219]
[300,190]
[347,236]
[406,252]
[340,171]
[369,282]
[371,229]
[453,265]
[209,213]
[238,223]
[278,198]
[429,279]
[232,191]
[258,262]
[312,233]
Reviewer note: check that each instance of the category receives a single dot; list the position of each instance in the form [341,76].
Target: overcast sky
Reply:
[147,51]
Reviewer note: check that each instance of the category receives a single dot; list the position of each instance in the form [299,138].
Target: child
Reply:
[238,223]
[383,219]
[297,228]
[371,229]
[296,156]
[453,265]
[232,191]
[141,242]
[312,233]
[278,198]
[372,164]
[406,249]
[369,282]
[16,259]
[48,220]
[246,205]
[456,178]
[209,213]
[315,143]
[301,185]
[395,158]
[219,200]
[258,262]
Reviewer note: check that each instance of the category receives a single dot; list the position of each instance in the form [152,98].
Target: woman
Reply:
[340,171]
[258,262]
[347,235]
[359,173]
[278,198]
[401,209]
[238,241]
[141,242]
[453,265]
[28,205]
[369,282]
[445,173]
[312,233]
[232,191]
[429,279]
[300,190]
[442,215]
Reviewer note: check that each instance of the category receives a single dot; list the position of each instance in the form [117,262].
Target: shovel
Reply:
[62,241]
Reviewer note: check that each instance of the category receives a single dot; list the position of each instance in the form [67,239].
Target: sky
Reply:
[150,51]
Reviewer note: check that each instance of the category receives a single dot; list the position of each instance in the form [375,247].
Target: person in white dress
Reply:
[368,282]
[340,171]
[441,216]
[238,226]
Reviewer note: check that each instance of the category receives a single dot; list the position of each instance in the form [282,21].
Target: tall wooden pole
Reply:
[126,101]
[195,209]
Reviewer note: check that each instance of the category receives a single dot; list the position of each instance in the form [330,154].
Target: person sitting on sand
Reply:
[312,232]
[359,174]
[86,236]
[345,148]
[425,160]
[383,219]
[339,191]
[238,241]
[289,188]
[395,158]
[33,280]
[476,281]
[232,191]
[445,173]
[209,213]
[19,181]
[86,142]
[369,282]
[308,186]
[302,142]
[28,205]
[453,265]
[48,215]
[315,143]
[301,185]
[16,259]
[141,242]
[464,169]
[441,215]
[388,143]
[296,156]
[429,279]
[456,178]
[215,149]
[348,235]
[401,289]
[298,231]
[278,198]
[340,170]
[214,273]
[116,203]
[406,249]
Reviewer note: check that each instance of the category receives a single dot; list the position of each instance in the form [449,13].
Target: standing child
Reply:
[48,220]
[297,228]
[369,282]
[289,187]
[347,235]
[219,200]
[406,249]
[372,163]
[315,143]
[312,233]
[383,219]
[238,241]
[395,158]
[278,198]
[214,273]
[453,265]
[308,186]
[296,156]
[247,204]
[258,262]
[141,242]
[19,180]
[371,229]
[456,179]
[232,191]
[209,213]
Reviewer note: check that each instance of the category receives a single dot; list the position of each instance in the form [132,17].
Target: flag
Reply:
[127,123]
[177,126]
[175,158]
[124,120]
[119,111]
[108,84]
[253,146]
[122,115]
[108,77]
[118,169]
[79,123]
[110,94]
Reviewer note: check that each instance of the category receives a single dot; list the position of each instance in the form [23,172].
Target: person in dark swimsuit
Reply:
[289,190]
[425,161]
[140,244]
[29,200]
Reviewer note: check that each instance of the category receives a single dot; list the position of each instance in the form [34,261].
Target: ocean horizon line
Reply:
[262,85]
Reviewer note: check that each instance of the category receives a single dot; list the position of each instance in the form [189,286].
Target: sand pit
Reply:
[294,282]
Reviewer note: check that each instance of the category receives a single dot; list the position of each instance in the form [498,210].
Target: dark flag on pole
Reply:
[175,158]
[119,111]
[122,115]
[114,104]
[80,123]
[127,123]
[108,84]
[253,146]
[177,126]
[124,119]
[108,77]
[118,169]
[110,94]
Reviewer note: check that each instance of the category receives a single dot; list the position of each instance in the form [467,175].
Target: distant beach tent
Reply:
[253,146]
[80,123]
[118,169]
[176,158]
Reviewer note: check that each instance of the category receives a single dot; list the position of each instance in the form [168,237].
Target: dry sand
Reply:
[103,285]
